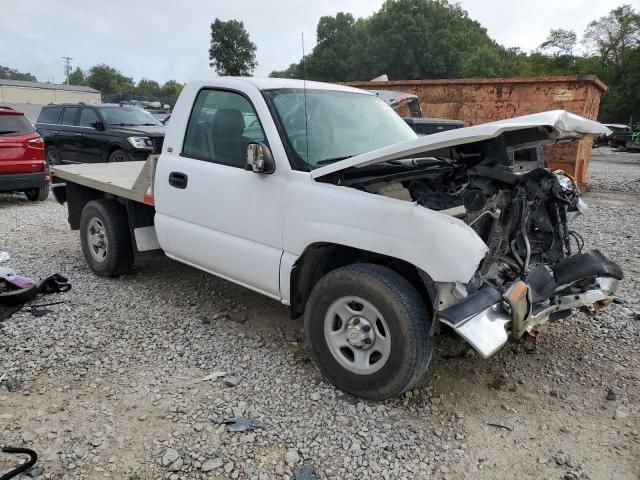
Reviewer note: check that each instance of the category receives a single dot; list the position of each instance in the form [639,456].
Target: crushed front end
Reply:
[493,177]
[536,268]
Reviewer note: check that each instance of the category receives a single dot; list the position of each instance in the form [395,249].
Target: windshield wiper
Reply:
[144,124]
[332,160]
[122,124]
[8,131]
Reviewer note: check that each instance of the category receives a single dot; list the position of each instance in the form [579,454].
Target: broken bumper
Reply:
[486,318]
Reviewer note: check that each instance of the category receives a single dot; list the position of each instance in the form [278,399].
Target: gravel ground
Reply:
[132,378]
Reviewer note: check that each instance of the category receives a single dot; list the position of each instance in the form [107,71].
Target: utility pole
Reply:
[67,67]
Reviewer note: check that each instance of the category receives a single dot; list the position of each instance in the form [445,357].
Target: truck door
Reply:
[210,211]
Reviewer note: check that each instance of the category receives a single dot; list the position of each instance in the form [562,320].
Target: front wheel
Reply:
[368,331]
[119,156]
[105,238]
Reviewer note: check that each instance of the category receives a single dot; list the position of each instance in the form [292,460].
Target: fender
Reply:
[440,245]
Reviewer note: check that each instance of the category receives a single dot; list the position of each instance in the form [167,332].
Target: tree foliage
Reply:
[76,77]
[560,42]
[231,51]
[109,80]
[7,73]
[422,39]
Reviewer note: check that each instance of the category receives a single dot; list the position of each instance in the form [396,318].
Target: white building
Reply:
[28,97]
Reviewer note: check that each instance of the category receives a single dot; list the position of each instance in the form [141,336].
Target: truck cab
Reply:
[322,197]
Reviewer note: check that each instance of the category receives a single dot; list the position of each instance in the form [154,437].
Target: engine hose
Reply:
[33,458]
[523,230]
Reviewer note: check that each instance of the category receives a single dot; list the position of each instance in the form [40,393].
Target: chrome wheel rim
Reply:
[357,335]
[97,240]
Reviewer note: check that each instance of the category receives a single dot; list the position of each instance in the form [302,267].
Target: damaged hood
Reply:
[555,126]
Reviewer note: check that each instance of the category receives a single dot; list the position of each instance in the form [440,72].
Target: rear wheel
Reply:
[105,238]
[119,156]
[37,194]
[368,331]
[53,156]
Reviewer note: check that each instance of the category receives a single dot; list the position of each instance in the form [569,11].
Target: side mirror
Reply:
[259,158]
[97,124]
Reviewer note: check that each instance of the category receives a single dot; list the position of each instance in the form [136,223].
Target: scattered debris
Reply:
[231,380]
[241,424]
[611,395]
[497,425]
[23,467]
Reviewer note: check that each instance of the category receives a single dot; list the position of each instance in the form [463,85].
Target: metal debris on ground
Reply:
[241,424]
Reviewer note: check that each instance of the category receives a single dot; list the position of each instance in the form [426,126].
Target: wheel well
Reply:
[319,259]
[77,196]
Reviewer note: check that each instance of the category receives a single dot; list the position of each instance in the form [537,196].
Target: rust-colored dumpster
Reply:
[480,100]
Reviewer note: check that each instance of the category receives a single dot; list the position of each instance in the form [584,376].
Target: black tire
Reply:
[53,156]
[118,251]
[119,155]
[37,194]
[405,313]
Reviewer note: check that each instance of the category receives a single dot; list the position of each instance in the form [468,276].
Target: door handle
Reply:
[178,180]
[78,134]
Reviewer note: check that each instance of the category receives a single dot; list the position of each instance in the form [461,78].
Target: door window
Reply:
[87,117]
[221,125]
[69,116]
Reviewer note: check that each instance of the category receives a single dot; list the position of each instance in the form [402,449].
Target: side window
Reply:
[87,117]
[49,115]
[69,116]
[220,127]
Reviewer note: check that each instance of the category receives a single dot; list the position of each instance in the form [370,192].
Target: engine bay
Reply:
[519,208]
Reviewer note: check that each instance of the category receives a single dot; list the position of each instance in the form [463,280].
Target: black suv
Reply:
[80,133]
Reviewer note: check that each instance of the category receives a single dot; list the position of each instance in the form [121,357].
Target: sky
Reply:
[169,39]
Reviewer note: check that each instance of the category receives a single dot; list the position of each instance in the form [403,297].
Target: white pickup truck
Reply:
[321,197]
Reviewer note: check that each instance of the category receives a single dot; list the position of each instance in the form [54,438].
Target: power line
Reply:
[67,67]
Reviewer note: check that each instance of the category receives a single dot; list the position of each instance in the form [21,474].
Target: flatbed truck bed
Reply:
[128,180]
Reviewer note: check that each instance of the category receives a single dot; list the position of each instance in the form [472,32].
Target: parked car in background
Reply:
[22,163]
[419,124]
[76,133]
[617,137]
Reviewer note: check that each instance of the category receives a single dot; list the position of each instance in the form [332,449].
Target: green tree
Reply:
[77,77]
[8,73]
[148,88]
[107,79]
[171,89]
[406,39]
[560,42]
[611,36]
[231,51]
[331,59]
[293,71]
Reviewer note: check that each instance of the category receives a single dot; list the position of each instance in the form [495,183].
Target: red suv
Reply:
[22,164]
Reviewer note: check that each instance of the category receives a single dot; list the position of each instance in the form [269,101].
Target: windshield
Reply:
[128,116]
[338,125]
